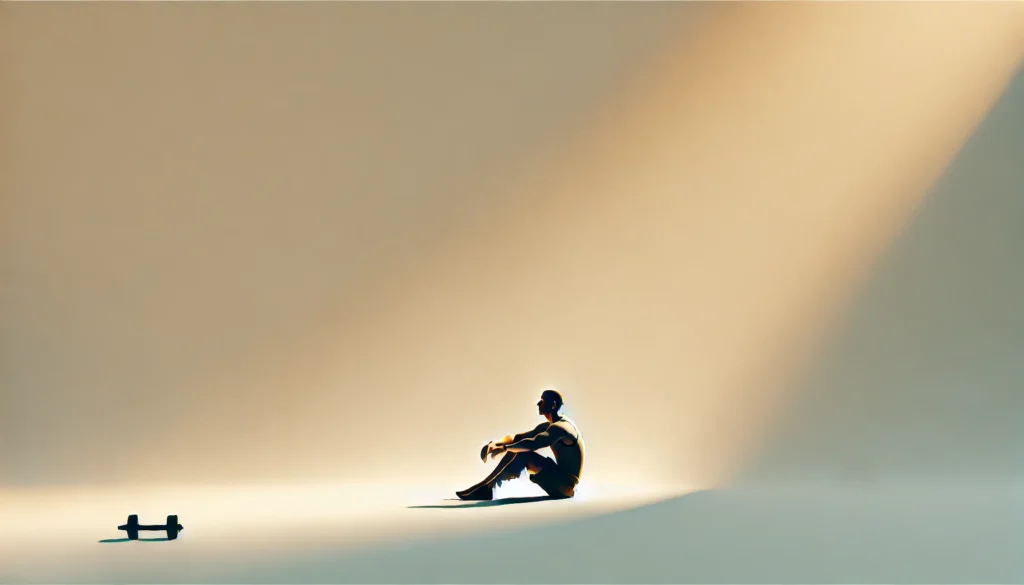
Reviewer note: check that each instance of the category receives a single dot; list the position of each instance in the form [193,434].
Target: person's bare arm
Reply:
[543,439]
[525,435]
[495,448]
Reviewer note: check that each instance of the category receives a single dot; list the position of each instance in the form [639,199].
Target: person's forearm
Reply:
[510,439]
[521,446]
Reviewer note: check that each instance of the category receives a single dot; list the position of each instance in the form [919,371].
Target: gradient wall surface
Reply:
[193,194]
[353,241]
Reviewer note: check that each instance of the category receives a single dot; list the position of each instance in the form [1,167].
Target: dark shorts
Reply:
[554,480]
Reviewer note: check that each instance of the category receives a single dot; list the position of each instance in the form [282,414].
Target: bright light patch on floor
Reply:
[212,513]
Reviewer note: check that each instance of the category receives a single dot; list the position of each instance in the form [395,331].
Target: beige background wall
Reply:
[353,241]
[193,192]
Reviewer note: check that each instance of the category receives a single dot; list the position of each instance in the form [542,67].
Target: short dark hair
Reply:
[553,397]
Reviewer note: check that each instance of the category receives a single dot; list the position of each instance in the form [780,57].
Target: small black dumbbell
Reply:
[133,527]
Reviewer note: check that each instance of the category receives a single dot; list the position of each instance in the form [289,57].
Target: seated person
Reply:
[558,477]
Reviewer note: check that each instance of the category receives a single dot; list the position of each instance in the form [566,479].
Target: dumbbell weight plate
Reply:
[172,527]
[133,527]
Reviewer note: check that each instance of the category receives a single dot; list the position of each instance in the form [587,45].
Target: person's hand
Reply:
[486,451]
[497,450]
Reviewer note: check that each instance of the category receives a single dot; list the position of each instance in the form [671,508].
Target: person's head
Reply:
[550,402]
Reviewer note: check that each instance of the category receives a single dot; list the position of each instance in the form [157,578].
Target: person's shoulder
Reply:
[565,425]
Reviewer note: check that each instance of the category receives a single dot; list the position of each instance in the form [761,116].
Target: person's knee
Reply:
[524,458]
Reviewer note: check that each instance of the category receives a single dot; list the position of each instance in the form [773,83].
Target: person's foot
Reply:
[477,493]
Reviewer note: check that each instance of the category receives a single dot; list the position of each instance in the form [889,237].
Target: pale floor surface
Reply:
[825,532]
[54,534]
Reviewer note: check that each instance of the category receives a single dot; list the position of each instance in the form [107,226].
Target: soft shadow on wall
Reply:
[922,380]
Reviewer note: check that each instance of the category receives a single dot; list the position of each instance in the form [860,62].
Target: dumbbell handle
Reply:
[147,527]
[153,527]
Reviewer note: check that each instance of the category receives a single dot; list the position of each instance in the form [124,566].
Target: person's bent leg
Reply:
[509,467]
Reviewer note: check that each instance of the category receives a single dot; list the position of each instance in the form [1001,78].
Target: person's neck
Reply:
[553,418]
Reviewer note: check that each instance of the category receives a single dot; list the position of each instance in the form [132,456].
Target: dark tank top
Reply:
[570,457]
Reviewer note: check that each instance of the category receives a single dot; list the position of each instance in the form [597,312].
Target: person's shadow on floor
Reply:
[489,503]
[109,540]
